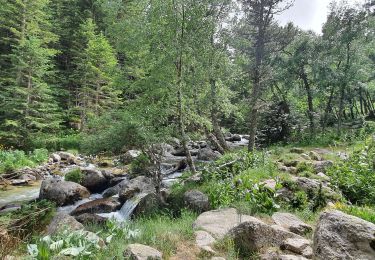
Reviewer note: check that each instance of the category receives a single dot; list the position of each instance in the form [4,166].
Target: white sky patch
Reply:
[309,14]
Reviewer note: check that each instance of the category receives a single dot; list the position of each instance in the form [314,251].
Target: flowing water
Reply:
[19,194]
[126,210]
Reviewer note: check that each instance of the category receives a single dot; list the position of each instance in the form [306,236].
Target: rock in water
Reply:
[94,180]
[97,206]
[140,184]
[62,192]
[142,252]
[341,236]
[197,201]
[291,222]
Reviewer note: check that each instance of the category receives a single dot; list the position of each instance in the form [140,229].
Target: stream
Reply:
[16,195]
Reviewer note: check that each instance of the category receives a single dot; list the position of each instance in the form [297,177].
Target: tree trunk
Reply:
[215,124]
[310,104]
[328,108]
[181,123]
[257,87]
[341,109]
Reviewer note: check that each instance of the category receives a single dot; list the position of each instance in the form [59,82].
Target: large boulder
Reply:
[255,235]
[88,218]
[341,236]
[67,157]
[219,222]
[291,223]
[142,252]
[197,201]
[130,156]
[115,189]
[97,206]
[63,221]
[137,185]
[148,204]
[207,154]
[62,192]
[94,180]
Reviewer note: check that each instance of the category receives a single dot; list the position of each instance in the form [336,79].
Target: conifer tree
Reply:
[95,74]
[28,105]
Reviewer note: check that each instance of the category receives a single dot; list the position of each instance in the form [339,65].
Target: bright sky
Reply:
[309,14]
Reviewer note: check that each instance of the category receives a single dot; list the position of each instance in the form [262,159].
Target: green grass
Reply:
[162,232]
[15,159]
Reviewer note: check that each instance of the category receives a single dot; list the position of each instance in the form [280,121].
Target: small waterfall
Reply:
[126,210]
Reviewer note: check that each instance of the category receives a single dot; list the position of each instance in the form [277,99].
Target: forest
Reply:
[128,121]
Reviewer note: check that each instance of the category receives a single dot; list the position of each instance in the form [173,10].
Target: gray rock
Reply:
[341,236]
[219,222]
[322,166]
[130,156]
[62,192]
[204,241]
[137,185]
[147,205]
[291,223]
[88,218]
[68,157]
[55,157]
[197,201]
[142,252]
[252,236]
[94,180]
[297,245]
[207,154]
[61,222]
[97,206]
[315,156]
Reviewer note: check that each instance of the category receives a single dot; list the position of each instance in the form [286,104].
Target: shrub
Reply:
[355,177]
[15,159]
[116,131]
[74,175]
[21,224]
[140,164]
[64,141]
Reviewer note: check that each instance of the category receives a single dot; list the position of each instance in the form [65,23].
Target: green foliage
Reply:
[366,213]
[78,244]
[69,140]
[28,105]
[299,200]
[15,159]
[235,178]
[162,232]
[21,224]
[140,164]
[117,131]
[355,177]
[74,175]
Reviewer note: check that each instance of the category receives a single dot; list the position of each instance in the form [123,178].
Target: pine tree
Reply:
[28,105]
[95,73]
